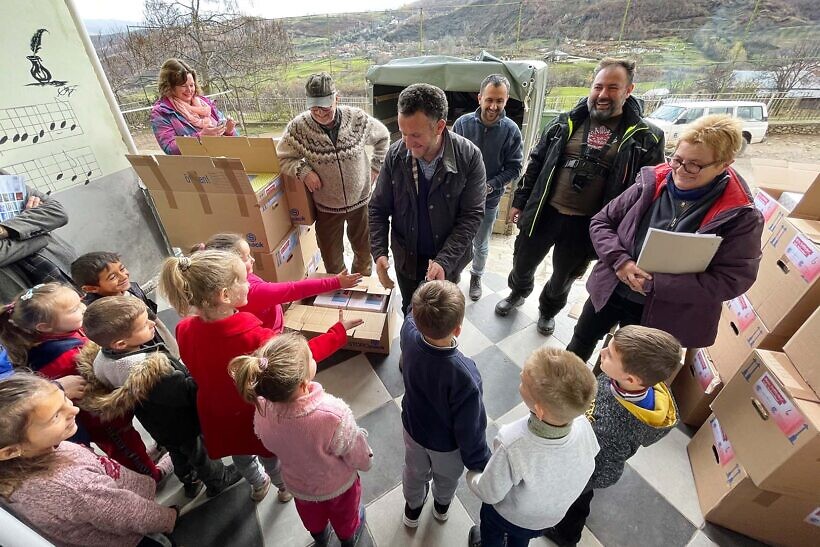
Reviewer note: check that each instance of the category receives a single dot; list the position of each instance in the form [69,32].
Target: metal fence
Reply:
[781,108]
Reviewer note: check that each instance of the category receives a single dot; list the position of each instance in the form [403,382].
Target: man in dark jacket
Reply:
[584,159]
[499,140]
[429,196]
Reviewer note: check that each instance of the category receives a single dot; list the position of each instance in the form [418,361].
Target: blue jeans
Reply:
[481,241]
[495,528]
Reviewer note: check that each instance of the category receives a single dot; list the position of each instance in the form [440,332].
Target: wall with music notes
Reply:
[56,127]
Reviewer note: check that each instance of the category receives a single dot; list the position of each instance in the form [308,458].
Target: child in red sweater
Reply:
[265,299]
[41,330]
[72,496]
[214,284]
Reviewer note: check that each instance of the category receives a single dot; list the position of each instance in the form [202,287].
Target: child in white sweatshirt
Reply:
[540,463]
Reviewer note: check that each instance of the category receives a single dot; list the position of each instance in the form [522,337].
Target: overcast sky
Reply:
[131,10]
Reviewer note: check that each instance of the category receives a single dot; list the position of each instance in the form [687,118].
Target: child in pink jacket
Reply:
[314,434]
[265,299]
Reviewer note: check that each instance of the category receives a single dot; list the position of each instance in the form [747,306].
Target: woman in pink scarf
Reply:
[181,111]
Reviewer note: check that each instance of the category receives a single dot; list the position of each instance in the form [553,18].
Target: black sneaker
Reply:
[359,529]
[553,535]
[475,287]
[545,325]
[440,511]
[230,476]
[411,516]
[507,304]
[474,539]
[321,540]
[192,488]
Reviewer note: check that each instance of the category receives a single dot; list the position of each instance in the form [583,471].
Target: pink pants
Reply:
[342,512]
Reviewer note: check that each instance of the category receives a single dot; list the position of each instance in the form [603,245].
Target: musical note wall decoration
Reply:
[58,171]
[31,124]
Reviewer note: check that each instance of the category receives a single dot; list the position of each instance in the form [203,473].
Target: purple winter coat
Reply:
[168,124]
[684,305]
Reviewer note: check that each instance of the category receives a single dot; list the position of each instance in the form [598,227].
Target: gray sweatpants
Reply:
[421,465]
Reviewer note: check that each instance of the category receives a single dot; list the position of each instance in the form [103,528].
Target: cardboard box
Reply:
[728,497]
[773,179]
[373,336]
[369,295]
[310,249]
[787,289]
[740,330]
[773,212]
[196,197]
[302,209]
[284,263]
[772,417]
[802,350]
[695,386]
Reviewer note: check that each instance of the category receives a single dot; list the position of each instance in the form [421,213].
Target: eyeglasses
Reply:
[689,167]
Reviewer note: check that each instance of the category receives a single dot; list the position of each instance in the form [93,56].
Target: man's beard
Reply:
[600,115]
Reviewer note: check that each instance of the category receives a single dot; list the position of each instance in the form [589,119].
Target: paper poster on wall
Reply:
[56,127]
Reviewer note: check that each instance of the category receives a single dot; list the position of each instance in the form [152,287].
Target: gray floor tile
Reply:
[482,315]
[500,378]
[632,512]
[519,345]
[355,382]
[280,523]
[384,431]
[469,500]
[494,281]
[471,341]
[665,465]
[170,317]
[728,538]
[385,522]
[386,367]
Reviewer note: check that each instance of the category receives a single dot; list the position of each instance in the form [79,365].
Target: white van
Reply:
[673,116]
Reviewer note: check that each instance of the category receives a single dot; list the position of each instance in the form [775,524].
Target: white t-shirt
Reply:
[532,481]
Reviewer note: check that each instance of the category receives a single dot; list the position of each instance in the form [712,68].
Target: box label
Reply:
[814,517]
[805,256]
[706,375]
[743,312]
[781,409]
[722,445]
[285,251]
[766,205]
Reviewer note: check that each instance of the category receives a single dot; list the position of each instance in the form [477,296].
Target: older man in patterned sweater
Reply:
[325,149]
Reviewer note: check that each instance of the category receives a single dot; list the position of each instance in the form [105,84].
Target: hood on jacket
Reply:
[736,194]
[663,416]
[114,403]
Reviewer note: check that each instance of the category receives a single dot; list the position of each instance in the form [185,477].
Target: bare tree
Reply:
[794,66]
[717,78]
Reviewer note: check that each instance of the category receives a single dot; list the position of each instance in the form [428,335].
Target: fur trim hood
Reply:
[114,403]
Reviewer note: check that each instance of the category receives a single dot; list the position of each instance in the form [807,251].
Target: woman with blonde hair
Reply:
[182,112]
[695,191]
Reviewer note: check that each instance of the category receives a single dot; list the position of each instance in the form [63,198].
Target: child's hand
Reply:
[347,280]
[73,386]
[349,323]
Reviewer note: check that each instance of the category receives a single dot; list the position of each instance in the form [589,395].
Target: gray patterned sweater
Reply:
[344,168]
[621,428]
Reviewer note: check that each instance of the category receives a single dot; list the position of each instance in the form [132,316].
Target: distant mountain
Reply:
[107,26]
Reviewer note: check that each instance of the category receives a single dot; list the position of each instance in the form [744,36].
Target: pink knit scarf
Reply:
[198,113]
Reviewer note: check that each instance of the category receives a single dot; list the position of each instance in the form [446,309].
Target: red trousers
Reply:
[121,442]
[342,512]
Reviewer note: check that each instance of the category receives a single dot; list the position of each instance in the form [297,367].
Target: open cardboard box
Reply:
[787,289]
[373,336]
[728,496]
[773,419]
[803,349]
[258,155]
[696,385]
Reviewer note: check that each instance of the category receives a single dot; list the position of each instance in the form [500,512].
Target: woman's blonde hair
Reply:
[175,72]
[19,320]
[720,133]
[560,381]
[274,371]
[18,395]
[225,241]
[195,281]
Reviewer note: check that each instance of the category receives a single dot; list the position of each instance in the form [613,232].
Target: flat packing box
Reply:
[197,196]
[695,386]
[787,289]
[803,349]
[373,336]
[772,417]
[728,496]
[740,330]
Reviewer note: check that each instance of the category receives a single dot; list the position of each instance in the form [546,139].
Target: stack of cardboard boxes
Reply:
[233,184]
[756,458]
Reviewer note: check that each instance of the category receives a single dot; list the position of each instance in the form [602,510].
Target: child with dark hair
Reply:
[126,376]
[442,411]
[102,273]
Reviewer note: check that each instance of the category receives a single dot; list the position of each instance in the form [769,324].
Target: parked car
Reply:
[673,116]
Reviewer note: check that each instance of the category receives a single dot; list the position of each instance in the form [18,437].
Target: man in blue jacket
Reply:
[499,140]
